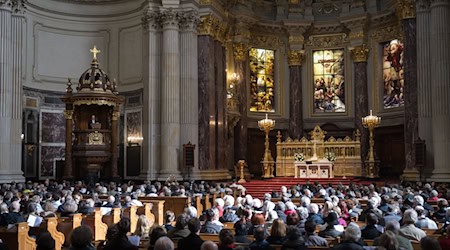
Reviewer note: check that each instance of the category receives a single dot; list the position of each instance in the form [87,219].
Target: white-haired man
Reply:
[409,230]
[351,238]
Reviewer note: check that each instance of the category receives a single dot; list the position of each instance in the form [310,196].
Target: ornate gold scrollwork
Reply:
[240,51]
[406,9]
[115,115]
[360,53]
[295,57]
[95,138]
[68,114]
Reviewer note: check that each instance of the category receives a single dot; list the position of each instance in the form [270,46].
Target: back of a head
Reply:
[310,226]
[352,232]
[372,219]
[389,241]
[278,228]
[393,226]
[194,225]
[45,242]
[182,221]
[240,228]
[429,243]
[293,233]
[81,237]
[124,225]
[258,233]
[157,233]
[170,216]
[410,216]
[164,243]
[226,237]
[292,219]
[209,245]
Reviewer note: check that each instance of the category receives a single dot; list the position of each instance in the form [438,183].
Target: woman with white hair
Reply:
[409,230]
[269,211]
[351,239]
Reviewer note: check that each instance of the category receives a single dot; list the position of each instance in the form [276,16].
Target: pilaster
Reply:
[295,60]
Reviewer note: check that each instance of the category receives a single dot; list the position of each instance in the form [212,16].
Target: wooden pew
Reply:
[206,202]
[175,204]
[49,225]
[96,224]
[130,212]
[66,225]
[18,238]
[198,205]
[147,211]
[113,217]
[158,210]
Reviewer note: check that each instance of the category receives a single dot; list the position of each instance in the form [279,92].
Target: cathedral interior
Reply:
[206,73]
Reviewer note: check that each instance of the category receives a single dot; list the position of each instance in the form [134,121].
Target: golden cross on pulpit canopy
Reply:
[94,52]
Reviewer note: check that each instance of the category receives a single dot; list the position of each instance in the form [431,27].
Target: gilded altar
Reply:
[346,152]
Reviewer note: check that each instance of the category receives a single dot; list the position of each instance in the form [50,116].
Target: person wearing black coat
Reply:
[371,232]
[294,240]
[120,240]
[193,240]
[241,233]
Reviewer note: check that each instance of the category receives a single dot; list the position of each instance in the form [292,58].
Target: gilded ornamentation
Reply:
[69,86]
[240,51]
[360,53]
[387,33]
[30,149]
[327,40]
[266,41]
[355,35]
[295,57]
[115,115]
[406,9]
[68,114]
[327,7]
[210,25]
[89,101]
[296,40]
[95,138]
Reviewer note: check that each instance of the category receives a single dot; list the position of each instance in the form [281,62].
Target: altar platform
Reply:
[257,188]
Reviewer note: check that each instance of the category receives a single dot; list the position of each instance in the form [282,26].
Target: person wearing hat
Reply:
[423,222]
[332,227]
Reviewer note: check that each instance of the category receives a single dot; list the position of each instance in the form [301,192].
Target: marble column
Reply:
[240,57]
[170,96]
[10,91]
[360,55]
[440,87]
[295,58]
[68,174]
[410,92]
[424,79]
[152,96]
[205,75]
[115,143]
[189,82]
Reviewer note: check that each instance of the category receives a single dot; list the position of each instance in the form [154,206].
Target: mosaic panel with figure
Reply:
[329,80]
[393,81]
[262,77]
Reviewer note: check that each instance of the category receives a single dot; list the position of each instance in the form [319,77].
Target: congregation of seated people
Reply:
[408,216]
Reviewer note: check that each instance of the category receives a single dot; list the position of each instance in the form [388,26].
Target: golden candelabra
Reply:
[266,125]
[371,122]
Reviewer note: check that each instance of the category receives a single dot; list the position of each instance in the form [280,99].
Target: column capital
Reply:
[210,25]
[406,9]
[240,51]
[18,6]
[68,114]
[151,19]
[170,19]
[295,57]
[189,20]
[360,53]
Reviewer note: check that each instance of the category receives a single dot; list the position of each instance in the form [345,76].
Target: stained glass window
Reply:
[329,81]
[393,74]
[262,85]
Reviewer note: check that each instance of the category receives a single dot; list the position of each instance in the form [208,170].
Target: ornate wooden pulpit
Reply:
[92,114]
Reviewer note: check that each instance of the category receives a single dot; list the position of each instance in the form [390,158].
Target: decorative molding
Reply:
[151,19]
[189,20]
[387,33]
[324,41]
[295,57]
[240,51]
[18,6]
[170,18]
[210,25]
[360,53]
[265,41]
[6,4]
[406,9]
[356,35]
[68,114]
[296,40]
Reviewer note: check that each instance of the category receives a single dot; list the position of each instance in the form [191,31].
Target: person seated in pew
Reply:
[445,240]
[429,243]
[277,232]
[314,214]
[394,227]
[229,215]
[226,240]
[193,240]
[156,233]
[294,240]
[260,242]
[44,242]
[143,226]
[371,231]
[388,241]
[81,239]
[209,226]
[423,222]
[241,233]
[332,227]
[409,230]
[191,211]
[110,202]
[311,238]
[181,227]
[69,207]
[86,207]
[14,215]
[169,219]
[439,215]
[209,245]
[164,243]
[119,239]
[352,239]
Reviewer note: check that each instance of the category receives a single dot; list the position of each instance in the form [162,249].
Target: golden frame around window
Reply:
[337,41]
[378,38]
